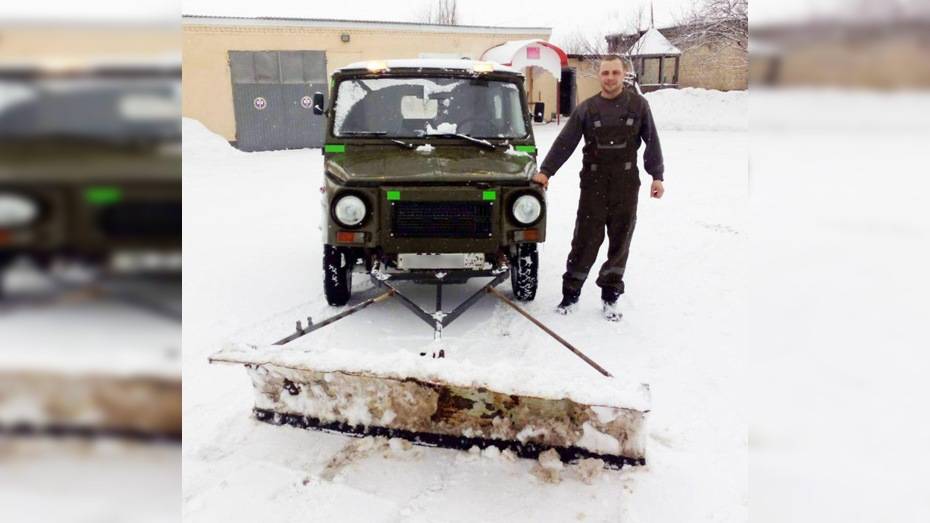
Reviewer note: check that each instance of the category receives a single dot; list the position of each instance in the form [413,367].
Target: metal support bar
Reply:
[548,331]
[407,302]
[450,278]
[437,320]
[444,319]
[352,310]
[449,318]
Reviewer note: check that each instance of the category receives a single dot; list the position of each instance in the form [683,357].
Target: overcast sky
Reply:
[563,17]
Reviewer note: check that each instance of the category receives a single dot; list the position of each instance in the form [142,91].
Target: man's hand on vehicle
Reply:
[657,189]
[542,179]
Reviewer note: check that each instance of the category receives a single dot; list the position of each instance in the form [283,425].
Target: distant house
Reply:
[655,60]
[678,57]
[862,53]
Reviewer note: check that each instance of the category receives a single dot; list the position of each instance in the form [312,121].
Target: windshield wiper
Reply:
[403,144]
[471,139]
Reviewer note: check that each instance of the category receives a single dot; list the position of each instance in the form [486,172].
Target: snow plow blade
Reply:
[143,407]
[417,403]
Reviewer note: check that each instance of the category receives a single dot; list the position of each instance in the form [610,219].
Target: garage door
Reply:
[272,98]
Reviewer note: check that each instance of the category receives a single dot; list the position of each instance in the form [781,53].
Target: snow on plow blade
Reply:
[418,403]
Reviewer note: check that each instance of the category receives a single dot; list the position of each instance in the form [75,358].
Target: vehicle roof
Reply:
[431,63]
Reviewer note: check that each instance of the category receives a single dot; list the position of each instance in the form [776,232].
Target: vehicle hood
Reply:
[444,164]
[69,162]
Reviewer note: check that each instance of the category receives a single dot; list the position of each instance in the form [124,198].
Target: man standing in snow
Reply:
[613,123]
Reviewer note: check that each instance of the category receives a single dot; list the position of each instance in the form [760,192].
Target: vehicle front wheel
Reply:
[524,270]
[337,274]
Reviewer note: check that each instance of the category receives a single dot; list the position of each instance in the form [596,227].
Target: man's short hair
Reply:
[612,57]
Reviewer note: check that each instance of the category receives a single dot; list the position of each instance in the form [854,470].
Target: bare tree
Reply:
[711,22]
[590,45]
[442,12]
[719,25]
[636,20]
[594,43]
[585,42]
[636,24]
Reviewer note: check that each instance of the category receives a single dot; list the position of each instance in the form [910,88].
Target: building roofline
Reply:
[588,56]
[673,27]
[225,21]
[640,33]
[59,23]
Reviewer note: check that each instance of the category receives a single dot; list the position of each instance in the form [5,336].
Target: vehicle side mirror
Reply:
[318,103]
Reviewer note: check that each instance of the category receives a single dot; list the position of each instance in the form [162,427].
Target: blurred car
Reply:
[90,161]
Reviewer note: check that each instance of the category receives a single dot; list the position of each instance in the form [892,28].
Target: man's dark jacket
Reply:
[629,104]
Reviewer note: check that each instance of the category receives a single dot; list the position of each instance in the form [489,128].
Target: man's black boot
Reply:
[569,302]
[611,311]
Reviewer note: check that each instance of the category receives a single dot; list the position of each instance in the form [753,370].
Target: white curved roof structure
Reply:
[529,53]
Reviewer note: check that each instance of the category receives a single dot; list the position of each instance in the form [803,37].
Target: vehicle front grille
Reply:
[141,220]
[441,219]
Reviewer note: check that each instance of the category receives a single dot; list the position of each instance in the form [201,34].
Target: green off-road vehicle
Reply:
[428,167]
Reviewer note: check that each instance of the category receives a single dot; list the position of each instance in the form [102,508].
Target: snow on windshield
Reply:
[443,128]
[413,107]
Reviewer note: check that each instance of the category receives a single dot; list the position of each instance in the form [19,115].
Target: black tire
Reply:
[524,271]
[337,274]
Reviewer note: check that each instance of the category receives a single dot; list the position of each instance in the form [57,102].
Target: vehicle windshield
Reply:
[110,109]
[417,107]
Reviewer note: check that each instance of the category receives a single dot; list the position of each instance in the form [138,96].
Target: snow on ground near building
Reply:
[252,251]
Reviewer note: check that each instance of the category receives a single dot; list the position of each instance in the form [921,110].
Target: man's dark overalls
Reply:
[609,193]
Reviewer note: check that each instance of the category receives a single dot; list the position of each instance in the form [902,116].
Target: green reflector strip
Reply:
[393,195]
[334,148]
[490,195]
[103,195]
[526,148]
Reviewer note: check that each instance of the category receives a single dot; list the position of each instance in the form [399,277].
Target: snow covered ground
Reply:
[252,251]
[44,479]
[839,284]
[84,331]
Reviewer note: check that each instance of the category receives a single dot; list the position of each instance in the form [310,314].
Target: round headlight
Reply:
[16,210]
[350,210]
[526,209]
